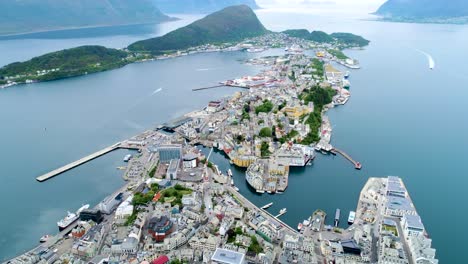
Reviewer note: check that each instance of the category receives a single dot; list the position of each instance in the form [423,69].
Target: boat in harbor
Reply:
[70,218]
[346,76]
[337,217]
[232,182]
[44,238]
[127,158]
[358,166]
[235,188]
[267,206]
[346,84]
[283,211]
[299,226]
[229,172]
[351,217]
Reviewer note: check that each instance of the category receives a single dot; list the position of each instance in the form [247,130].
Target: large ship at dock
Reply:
[70,218]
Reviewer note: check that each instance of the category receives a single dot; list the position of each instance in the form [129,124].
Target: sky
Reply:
[364,6]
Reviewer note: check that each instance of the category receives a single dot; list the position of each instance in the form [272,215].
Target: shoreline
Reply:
[20,34]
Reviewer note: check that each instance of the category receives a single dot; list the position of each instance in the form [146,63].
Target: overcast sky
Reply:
[366,6]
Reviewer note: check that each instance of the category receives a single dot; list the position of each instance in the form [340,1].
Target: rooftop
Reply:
[227,256]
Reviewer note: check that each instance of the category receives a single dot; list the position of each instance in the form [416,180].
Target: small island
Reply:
[230,29]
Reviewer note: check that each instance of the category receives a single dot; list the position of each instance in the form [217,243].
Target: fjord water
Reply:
[403,119]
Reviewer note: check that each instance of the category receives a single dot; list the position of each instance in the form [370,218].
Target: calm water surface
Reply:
[403,119]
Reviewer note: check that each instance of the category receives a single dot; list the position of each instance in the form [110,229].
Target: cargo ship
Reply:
[70,218]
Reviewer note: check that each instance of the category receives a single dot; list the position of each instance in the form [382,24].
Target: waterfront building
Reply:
[91,214]
[124,210]
[110,203]
[169,152]
[412,225]
[421,251]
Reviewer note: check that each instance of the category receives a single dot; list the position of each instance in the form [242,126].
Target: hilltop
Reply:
[231,24]
[454,11]
[199,6]
[41,15]
[345,39]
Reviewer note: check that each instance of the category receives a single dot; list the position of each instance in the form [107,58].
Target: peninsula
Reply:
[424,11]
[221,31]
[26,16]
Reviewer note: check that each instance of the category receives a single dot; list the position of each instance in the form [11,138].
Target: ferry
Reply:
[44,238]
[351,217]
[70,218]
[267,206]
[127,158]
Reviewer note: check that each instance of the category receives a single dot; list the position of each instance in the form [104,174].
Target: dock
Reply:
[51,174]
[219,86]
[357,165]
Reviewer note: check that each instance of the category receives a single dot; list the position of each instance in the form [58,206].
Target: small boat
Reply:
[358,166]
[127,158]
[283,211]
[44,238]
[351,217]
[267,206]
[346,75]
[235,188]
[299,226]
[232,182]
[229,172]
[260,191]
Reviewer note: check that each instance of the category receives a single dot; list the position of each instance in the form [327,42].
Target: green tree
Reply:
[265,132]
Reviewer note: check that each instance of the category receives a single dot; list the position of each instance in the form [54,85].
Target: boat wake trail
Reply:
[429,58]
[205,69]
[156,91]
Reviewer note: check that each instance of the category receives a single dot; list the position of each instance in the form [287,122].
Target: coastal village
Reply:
[177,206]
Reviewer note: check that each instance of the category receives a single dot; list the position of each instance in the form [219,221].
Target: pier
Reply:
[357,165]
[219,86]
[119,145]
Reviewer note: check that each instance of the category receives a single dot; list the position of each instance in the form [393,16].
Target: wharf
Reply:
[219,86]
[357,165]
[51,174]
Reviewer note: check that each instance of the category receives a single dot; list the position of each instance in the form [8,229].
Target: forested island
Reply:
[225,28]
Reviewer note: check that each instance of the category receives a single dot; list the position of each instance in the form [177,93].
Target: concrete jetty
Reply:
[219,86]
[357,165]
[79,162]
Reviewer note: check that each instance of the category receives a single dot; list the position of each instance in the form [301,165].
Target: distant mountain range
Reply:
[425,10]
[199,6]
[22,16]
[231,24]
